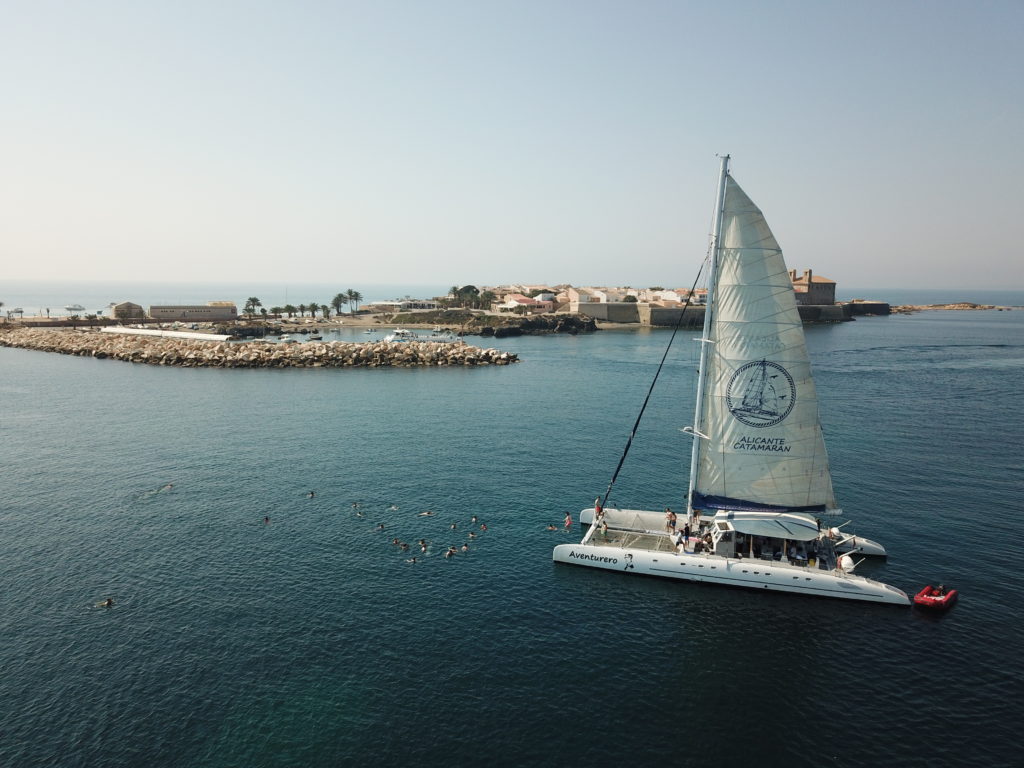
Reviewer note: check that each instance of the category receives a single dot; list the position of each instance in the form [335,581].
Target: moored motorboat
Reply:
[936,598]
[436,336]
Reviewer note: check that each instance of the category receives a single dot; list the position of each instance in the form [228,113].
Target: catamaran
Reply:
[759,474]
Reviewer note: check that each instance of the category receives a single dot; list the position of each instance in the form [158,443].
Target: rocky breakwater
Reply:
[191,353]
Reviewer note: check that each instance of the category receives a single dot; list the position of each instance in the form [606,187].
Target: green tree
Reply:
[314,307]
[277,310]
[290,309]
[630,298]
[302,310]
[251,305]
[487,298]
[263,312]
[467,296]
[325,311]
[354,297]
[339,301]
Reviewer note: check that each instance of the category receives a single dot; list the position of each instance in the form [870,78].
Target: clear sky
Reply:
[483,141]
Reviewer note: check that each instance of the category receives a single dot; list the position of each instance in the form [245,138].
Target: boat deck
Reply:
[654,542]
[659,542]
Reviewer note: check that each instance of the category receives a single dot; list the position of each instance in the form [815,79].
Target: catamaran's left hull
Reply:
[746,573]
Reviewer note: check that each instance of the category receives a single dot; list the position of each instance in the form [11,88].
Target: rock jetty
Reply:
[191,353]
[907,309]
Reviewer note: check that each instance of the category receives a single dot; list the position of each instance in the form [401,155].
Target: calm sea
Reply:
[310,641]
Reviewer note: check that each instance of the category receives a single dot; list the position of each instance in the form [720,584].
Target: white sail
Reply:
[759,411]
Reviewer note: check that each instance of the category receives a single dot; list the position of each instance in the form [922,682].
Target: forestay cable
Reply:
[607,494]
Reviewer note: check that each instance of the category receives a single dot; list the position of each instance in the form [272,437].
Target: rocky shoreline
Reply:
[906,309]
[189,353]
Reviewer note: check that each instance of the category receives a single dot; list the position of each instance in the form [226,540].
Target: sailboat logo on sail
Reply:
[761,394]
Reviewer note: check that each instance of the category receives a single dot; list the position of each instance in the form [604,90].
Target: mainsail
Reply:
[761,445]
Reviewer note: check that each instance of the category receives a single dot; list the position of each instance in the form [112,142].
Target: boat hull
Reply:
[744,573]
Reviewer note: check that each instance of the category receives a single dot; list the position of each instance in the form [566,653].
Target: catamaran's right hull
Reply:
[747,573]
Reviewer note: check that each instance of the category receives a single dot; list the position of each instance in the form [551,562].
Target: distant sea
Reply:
[896,296]
[35,296]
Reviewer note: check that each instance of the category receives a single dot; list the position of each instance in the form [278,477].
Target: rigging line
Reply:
[636,425]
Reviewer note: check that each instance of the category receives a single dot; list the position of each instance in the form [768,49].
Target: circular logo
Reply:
[761,394]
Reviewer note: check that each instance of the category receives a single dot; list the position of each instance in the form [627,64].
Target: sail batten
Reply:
[758,407]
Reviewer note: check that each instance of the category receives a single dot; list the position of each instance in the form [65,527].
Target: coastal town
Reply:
[469,309]
[654,305]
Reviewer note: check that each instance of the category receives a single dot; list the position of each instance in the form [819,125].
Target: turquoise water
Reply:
[309,641]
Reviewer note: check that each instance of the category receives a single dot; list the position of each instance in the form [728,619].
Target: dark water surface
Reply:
[309,641]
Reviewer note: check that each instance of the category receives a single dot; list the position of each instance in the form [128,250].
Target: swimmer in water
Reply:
[473,519]
[483,526]
[452,526]
[355,505]
[411,560]
[428,513]
[108,603]
[472,535]
[393,508]
[449,553]
[167,487]
[552,527]
[359,513]
[310,495]
[380,526]
[465,547]
[266,520]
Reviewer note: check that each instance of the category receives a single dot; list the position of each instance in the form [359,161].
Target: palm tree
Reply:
[290,309]
[276,310]
[339,300]
[354,297]
[302,310]
[251,305]
[325,311]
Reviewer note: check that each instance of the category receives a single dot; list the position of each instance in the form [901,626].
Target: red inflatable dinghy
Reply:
[938,598]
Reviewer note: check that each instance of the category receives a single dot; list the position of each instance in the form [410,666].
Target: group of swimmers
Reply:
[424,545]
[566,524]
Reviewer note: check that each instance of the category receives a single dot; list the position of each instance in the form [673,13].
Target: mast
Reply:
[709,310]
